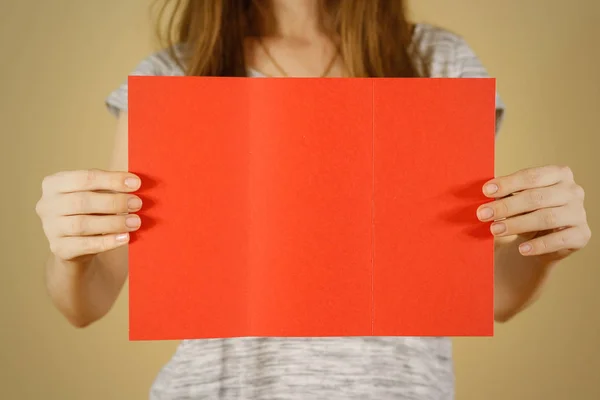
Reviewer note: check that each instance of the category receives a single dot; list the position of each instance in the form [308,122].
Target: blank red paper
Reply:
[310,207]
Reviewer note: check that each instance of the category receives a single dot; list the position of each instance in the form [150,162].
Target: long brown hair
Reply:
[374,35]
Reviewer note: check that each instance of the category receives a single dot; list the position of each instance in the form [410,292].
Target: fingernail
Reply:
[486,213]
[490,188]
[134,203]
[133,221]
[498,228]
[525,248]
[122,237]
[132,183]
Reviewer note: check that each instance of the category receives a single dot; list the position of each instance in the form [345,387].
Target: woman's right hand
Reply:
[88,212]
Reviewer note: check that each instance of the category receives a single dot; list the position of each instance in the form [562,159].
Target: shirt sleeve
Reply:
[117,99]
[157,64]
[469,65]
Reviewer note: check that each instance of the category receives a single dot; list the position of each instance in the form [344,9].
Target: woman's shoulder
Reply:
[441,53]
[163,62]
[444,53]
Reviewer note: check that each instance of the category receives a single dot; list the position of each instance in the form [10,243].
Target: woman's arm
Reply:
[538,218]
[85,289]
[518,280]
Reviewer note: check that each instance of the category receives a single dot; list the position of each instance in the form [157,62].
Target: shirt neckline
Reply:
[257,74]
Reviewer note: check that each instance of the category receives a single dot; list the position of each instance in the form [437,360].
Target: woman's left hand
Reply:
[543,205]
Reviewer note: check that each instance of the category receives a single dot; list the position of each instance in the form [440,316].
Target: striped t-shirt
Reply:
[377,368]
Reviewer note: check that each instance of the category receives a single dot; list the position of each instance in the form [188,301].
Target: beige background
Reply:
[60,58]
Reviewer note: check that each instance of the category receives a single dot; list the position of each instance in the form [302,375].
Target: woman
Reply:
[87,215]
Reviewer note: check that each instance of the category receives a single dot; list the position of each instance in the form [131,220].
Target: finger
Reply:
[567,239]
[530,178]
[524,202]
[90,180]
[540,220]
[79,203]
[69,248]
[89,225]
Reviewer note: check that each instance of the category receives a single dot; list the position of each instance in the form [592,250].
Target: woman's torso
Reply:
[317,368]
[309,369]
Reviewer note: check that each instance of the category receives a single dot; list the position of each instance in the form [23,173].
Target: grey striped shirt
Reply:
[318,368]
